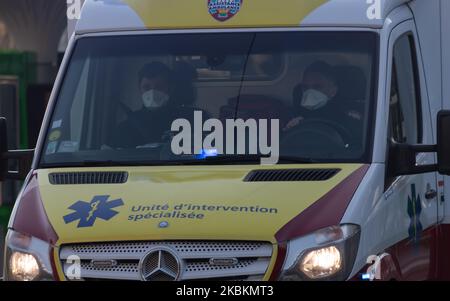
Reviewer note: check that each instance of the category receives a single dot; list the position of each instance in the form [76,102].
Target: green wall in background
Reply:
[5,212]
[22,65]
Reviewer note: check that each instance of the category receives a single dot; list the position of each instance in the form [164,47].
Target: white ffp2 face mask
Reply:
[154,99]
[314,99]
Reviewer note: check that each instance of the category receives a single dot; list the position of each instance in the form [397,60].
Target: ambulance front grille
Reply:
[198,260]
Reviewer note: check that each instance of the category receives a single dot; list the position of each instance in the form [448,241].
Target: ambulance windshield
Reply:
[215,98]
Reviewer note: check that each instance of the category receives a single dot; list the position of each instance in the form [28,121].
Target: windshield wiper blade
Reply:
[238,158]
[100,163]
[299,160]
[96,163]
[243,159]
[213,160]
[220,159]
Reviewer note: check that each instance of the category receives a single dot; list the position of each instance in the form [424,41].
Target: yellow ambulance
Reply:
[346,97]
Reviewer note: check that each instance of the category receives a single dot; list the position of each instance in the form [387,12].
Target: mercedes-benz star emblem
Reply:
[160,264]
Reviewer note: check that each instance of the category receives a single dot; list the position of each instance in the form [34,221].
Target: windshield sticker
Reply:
[55,135]
[51,148]
[191,211]
[223,10]
[86,213]
[68,147]
[57,124]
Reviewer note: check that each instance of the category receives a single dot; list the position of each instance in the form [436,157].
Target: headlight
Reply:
[327,254]
[23,266]
[321,263]
[27,258]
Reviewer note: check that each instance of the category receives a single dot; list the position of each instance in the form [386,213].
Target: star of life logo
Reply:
[86,213]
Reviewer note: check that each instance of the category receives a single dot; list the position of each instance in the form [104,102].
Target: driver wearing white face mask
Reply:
[149,124]
[319,89]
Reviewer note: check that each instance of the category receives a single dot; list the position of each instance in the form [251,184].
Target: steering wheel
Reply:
[317,136]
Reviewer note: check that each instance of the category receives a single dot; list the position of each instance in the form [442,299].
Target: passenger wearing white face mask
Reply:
[319,89]
[158,111]
[154,85]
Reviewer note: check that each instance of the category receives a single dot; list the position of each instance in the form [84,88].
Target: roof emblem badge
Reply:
[223,10]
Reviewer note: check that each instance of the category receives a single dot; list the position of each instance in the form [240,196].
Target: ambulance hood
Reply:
[187,203]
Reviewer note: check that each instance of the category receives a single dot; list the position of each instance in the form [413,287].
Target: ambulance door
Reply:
[410,122]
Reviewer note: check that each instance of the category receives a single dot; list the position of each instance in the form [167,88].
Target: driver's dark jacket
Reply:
[341,112]
[147,126]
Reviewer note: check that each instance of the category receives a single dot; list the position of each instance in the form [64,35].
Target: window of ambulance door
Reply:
[405,113]
[405,121]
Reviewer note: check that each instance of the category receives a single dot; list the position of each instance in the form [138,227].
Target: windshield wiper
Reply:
[93,163]
[101,163]
[221,159]
[242,159]
[299,160]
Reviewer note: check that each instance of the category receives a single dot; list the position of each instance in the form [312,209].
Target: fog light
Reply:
[321,263]
[23,267]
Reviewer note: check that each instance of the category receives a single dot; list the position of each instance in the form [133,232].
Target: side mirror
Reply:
[402,157]
[24,158]
[443,142]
